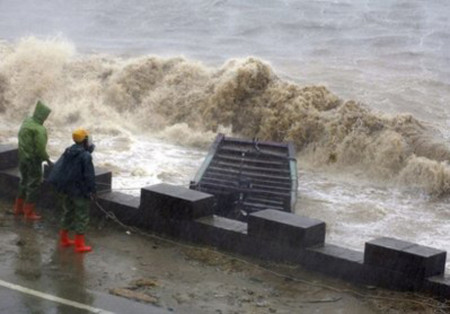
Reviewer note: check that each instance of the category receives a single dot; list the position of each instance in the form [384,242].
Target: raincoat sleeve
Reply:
[89,174]
[40,141]
[57,175]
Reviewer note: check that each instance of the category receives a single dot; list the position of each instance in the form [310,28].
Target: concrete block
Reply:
[335,261]
[390,278]
[9,182]
[438,286]
[9,156]
[170,202]
[406,257]
[219,231]
[231,235]
[103,179]
[286,228]
[125,207]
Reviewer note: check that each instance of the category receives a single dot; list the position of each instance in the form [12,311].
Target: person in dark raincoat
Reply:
[73,176]
[32,152]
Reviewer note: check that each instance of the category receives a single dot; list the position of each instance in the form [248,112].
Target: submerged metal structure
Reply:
[247,176]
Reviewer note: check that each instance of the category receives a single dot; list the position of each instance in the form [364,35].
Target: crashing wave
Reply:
[151,94]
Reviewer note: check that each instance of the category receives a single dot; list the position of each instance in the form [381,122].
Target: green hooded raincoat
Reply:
[32,152]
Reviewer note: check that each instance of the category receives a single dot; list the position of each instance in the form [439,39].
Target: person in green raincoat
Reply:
[32,152]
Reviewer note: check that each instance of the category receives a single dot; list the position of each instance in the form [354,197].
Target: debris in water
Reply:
[134,295]
[327,300]
[138,290]
[145,282]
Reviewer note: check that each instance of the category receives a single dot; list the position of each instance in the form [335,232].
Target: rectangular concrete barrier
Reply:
[405,257]
[124,207]
[219,231]
[438,286]
[335,261]
[171,209]
[231,235]
[9,181]
[404,265]
[286,228]
[9,156]
[175,202]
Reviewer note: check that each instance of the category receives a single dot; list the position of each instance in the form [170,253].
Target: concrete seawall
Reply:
[268,234]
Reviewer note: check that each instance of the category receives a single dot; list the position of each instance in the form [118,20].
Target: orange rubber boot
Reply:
[80,247]
[18,206]
[64,238]
[30,214]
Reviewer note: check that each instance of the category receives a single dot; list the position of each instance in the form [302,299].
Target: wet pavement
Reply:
[13,301]
[37,276]
[130,272]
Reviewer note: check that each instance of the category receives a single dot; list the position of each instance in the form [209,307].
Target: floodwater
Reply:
[360,87]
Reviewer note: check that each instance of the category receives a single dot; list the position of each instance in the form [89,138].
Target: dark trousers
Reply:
[75,213]
[30,180]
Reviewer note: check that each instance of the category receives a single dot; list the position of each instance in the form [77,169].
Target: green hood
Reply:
[41,112]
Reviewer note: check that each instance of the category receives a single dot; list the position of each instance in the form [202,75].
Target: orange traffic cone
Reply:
[18,206]
[80,247]
[30,214]
[64,238]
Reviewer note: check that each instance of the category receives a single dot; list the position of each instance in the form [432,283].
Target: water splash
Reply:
[185,102]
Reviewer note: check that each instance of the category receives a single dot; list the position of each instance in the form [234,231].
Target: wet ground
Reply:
[129,272]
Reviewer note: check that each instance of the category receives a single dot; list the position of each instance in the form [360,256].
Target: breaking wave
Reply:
[187,102]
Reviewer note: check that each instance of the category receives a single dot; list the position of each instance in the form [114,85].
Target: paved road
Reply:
[36,276]
[19,299]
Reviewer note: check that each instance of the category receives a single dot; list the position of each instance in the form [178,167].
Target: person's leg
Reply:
[67,218]
[34,169]
[81,221]
[22,193]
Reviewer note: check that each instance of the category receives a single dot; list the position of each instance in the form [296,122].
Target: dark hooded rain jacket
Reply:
[73,173]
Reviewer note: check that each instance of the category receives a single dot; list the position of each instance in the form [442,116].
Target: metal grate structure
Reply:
[248,175]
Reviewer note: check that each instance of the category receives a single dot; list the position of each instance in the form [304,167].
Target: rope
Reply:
[442,307]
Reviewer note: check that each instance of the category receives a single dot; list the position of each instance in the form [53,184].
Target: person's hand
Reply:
[50,163]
